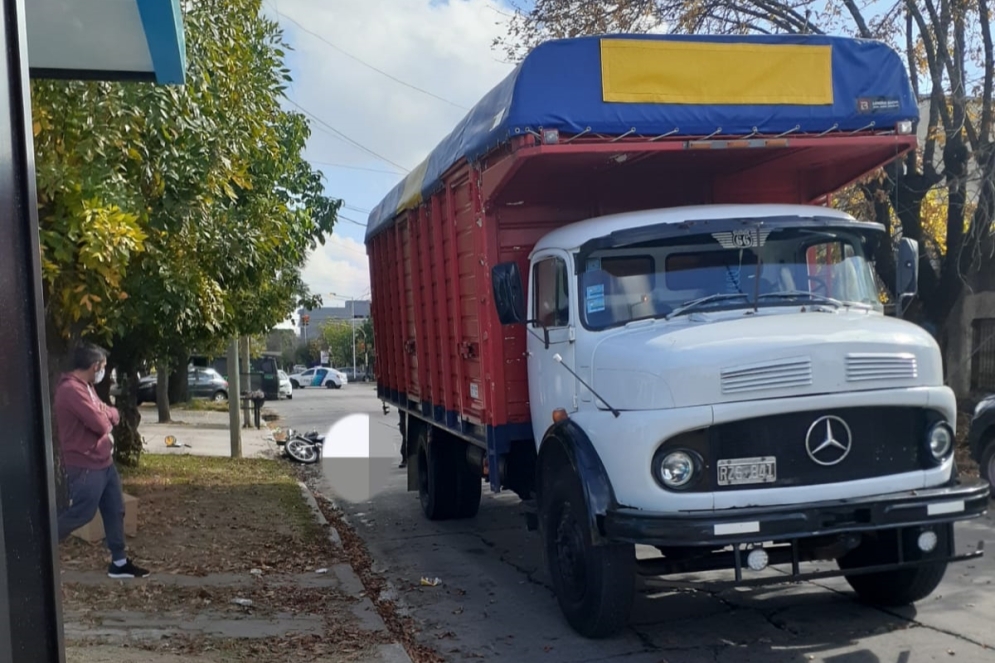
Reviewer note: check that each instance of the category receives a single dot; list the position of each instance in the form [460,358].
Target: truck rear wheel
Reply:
[448,486]
[436,481]
[594,585]
[900,587]
[468,483]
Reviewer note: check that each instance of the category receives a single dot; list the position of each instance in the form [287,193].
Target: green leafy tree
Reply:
[337,337]
[177,218]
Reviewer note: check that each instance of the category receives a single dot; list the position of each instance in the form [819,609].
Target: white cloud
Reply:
[441,46]
[340,267]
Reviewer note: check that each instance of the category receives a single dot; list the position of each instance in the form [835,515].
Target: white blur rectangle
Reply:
[941,508]
[725,529]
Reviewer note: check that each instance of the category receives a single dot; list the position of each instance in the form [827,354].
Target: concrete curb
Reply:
[366,611]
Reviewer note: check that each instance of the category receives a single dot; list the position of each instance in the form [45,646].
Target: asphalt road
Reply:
[494,601]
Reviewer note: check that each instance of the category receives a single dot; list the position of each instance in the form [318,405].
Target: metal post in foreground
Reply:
[233,400]
[352,312]
[30,599]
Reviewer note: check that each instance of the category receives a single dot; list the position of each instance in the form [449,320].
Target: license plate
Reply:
[740,471]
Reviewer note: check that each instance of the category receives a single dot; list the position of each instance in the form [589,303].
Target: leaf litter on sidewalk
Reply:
[222,518]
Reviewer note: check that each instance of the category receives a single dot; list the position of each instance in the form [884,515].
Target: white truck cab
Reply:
[722,383]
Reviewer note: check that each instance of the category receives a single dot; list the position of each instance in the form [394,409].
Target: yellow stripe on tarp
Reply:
[411,194]
[676,72]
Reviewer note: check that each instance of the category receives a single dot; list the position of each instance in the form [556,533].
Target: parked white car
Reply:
[286,386]
[318,377]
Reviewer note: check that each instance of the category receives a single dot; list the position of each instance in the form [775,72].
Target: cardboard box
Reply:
[93,531]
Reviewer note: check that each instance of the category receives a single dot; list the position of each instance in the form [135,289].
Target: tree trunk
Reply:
[127,440]
[58,356]
[179,391]
[162,392]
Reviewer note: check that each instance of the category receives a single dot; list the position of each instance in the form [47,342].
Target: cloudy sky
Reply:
[382,81]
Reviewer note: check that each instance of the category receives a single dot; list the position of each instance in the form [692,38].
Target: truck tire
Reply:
[987,463]
[437,488]
[893,588]
[468,483]
[594,585]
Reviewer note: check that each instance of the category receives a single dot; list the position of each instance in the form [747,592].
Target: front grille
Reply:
[794,372]
[881,366]
[884,441]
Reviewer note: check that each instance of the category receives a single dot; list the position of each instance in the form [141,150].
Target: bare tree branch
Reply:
[858,18]
[932,61]
[986,98]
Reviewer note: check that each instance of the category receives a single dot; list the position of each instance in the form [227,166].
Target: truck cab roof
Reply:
[571,237]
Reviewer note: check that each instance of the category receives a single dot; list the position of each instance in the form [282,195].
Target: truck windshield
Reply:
[726,270]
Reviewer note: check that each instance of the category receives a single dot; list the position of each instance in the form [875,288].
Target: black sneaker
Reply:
[403,464]
[128,570]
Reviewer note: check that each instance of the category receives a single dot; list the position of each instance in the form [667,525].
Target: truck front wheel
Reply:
[900,587]
[594,585]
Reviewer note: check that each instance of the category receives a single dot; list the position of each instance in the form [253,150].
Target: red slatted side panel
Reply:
[453,299]
[430,312]
[402,303]
[489,352]
[376,297]
[413,269]
[422,292]
[390,280]
[441,315]
[416,363]
[468,260]
[388,276]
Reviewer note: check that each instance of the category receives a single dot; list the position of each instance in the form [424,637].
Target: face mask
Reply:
[99,377]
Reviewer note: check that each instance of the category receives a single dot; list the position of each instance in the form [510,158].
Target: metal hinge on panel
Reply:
[571,333]
[409,346]
[575,401]
[467,350]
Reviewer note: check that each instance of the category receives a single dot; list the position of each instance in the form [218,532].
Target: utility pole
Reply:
[233,399]
[352,322]
[248,367]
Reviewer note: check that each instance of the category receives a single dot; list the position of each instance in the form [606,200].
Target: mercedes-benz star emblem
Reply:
[828,441]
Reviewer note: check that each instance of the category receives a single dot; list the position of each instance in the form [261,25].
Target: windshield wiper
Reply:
[696,303]
[794,294]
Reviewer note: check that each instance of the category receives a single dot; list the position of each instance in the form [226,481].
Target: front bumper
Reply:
[967,500]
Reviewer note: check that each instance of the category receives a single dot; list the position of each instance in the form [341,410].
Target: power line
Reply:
[346,218]
[345,137]
[347,247]
[366,64]
[343,165]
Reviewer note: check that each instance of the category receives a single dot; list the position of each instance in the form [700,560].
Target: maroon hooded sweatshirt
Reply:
[84,422]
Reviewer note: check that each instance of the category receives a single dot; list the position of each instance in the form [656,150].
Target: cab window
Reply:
[551,306]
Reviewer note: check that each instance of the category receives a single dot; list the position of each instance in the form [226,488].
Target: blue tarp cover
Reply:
[657,84]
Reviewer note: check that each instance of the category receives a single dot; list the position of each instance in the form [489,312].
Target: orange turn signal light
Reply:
[559,414]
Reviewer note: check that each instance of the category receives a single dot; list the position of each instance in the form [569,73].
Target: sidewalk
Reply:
[203,433]
[244,565]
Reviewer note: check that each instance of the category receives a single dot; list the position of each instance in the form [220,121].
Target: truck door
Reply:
[550,306]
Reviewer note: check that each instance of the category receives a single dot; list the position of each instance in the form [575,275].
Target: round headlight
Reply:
[677,469]
[941,439]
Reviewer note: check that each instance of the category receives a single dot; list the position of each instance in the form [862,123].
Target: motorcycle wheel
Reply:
[302,451]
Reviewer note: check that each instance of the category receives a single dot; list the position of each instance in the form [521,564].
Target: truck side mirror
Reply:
[907,268]
[509,295]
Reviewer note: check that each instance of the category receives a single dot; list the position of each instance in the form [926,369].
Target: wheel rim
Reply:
[990,470]
[569,554]
[302,450]
[219,397]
